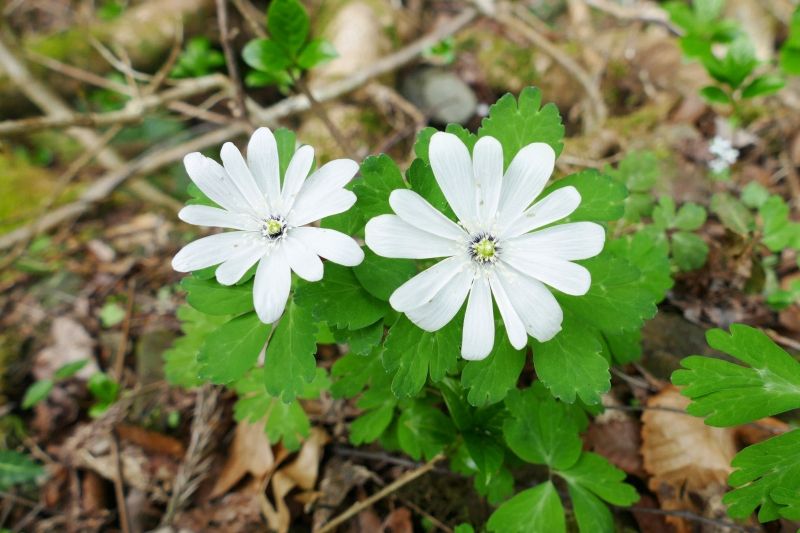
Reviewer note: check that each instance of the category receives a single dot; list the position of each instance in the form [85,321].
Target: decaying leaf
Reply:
[684,456]
[250,453]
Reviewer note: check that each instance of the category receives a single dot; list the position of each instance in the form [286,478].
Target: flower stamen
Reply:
[273,228]
[483,248]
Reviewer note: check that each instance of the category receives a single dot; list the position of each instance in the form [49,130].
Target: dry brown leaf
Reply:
[617,436]
[151,441]
[339,478]
[761,430]
[398,521]
[681,450]
[684,456]
[250,453]
[302,472]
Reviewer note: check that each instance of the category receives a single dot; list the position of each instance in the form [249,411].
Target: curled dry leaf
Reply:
[71,343]
[339,478]
[684,456]
[250,453]
[616,435]
[302,473]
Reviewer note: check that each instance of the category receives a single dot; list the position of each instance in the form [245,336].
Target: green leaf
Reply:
[105,391]
[371,425]
[290,363]
[602,198]
[517,123]
[232,349]
[536,510]
[737,64]
[287,23]
[411,354]
[423,430]
[647,250]
[70,369]
[591,480]
[732,213]
[639,172]
[790,59]
[615,300]
[489,380]
[381,276]
[111,314]
[690,217]
[361,341]
[181,367]
[689,251]
[541,430]
[571,364]
[340,300]
[730,394]
[16,468]
[778,231]
[380,175]
[287,143]
[315,53]
[37,392]
[763,85]
[664,213]
[754,195]
[765,473]
[353,372]
[286,422]
[715,95]
[266,55]
[212,298]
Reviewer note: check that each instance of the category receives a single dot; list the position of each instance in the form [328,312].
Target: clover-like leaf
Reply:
[536,510]
[232,349]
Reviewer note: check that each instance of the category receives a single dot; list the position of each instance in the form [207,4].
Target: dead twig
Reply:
[403,480]
[642,12]
[122,348]
[239,107]
[251,15]
[318,109]
[119,485]
[688,515]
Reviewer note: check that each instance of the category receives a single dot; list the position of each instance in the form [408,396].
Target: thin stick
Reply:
[357,507]
[251,15]
[688,515]
[119,486]
[119,362]
[239,107]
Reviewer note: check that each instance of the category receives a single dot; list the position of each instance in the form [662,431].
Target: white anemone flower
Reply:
[271,221]
[492,251]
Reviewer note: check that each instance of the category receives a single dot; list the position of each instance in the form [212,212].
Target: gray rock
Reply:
[440,95]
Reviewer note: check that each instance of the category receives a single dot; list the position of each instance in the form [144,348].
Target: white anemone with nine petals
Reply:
[271,221]
[492,252]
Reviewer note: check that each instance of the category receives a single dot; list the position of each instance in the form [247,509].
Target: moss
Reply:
[506,65]
[26,188]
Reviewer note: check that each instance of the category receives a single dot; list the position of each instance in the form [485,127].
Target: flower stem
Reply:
[319,110]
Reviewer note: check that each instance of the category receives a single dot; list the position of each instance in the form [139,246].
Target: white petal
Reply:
[203,215]
[443,306]
[306,210]
[553,207]
[524,180]
[422,287]
[576,240]
[487,162]
[209,251]
[330,244]
[241,177]
[215,183]
[477,338]
[302,261]
[296,174]
[569,278]
[271,287]
[514,326]
[452,168]
[389,236]
[317,190]
[262,158]
[535,305]
[415,210]
[232,270]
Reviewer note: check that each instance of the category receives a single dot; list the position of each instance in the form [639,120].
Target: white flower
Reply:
[271,221]
[724,154]
[491,252]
